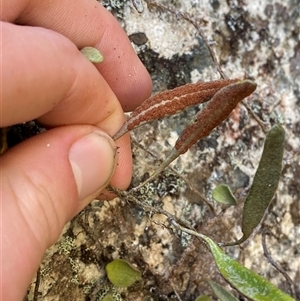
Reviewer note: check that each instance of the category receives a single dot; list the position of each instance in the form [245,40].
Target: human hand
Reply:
[49,178]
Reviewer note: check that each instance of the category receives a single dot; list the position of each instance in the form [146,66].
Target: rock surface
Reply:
[252,39]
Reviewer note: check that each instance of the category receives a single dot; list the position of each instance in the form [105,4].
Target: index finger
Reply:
[87,23]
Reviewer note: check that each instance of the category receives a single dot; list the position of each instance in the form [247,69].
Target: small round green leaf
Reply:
[223,194]
[121,273]
[92,54]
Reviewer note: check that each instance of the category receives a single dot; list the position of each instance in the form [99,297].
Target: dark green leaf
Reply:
[265,182]
[223,194]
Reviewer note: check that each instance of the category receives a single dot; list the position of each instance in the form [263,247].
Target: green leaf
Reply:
[92,54]
[244,280]
[265,182]
[108,297]
[203,298]
[223,194]
[121,273]
[221,292]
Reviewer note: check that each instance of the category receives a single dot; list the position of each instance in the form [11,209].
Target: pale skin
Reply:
[45,77]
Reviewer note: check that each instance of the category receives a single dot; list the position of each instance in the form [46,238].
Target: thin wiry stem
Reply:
[278,267]
[185,179]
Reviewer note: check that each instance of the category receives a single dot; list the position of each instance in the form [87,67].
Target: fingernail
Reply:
[93,162]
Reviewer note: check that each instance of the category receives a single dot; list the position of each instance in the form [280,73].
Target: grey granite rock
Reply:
[252,39]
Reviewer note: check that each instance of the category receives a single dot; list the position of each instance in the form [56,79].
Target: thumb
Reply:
[45,181]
